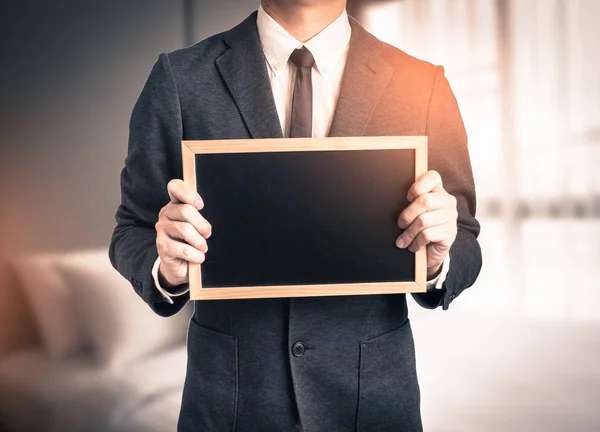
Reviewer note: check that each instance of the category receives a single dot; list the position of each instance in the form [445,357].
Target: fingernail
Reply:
[198,204]
[401,243]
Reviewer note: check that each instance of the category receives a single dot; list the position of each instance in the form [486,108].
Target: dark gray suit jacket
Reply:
[357,369]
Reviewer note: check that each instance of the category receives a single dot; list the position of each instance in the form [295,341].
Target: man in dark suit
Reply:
[323,364]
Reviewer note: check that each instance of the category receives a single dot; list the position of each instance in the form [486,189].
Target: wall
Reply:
[71,72]
[214,16]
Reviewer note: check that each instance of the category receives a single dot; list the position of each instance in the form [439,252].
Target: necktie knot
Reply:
[302,57]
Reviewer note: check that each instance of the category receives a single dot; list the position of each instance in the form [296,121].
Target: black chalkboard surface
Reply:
[305,217]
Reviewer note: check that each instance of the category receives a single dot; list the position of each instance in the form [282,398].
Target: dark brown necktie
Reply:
[301,120]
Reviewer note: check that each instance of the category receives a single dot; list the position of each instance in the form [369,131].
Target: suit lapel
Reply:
[244,71]
[365,77]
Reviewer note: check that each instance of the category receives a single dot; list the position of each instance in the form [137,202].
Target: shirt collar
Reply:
[326,47]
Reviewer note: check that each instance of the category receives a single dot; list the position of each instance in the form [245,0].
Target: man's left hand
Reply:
[430,220]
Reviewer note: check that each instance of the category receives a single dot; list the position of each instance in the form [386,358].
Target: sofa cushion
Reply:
[115,321]
[18,327]
[81,303]
[50,300]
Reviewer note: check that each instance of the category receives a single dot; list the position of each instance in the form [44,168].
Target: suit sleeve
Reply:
[448,154]
[153,159]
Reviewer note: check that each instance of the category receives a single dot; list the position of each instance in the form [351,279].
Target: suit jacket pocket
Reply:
[210,392]
[389,396]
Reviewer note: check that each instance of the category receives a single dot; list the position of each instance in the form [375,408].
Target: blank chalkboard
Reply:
[305,217]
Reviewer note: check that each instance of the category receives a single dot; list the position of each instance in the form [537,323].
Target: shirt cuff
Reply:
[438,281]
[166,294]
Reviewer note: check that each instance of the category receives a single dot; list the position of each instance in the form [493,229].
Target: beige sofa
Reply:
[79,351]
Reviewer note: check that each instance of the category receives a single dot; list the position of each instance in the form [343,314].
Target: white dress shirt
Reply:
[330,50]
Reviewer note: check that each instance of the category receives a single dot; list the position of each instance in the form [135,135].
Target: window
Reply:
[526,74]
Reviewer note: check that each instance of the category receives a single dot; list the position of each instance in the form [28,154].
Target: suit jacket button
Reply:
[298,349]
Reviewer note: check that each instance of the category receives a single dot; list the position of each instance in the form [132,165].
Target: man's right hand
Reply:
[181,234]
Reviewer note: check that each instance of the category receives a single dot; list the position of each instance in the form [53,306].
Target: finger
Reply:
[423,221]
[180,192]
[172,249]
[186,232]
[423,203]
[188,213]
[428,182]
[436,234]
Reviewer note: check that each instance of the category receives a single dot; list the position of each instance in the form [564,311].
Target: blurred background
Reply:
[519,351]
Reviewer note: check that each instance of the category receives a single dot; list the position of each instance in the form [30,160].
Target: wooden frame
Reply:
[192,148]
